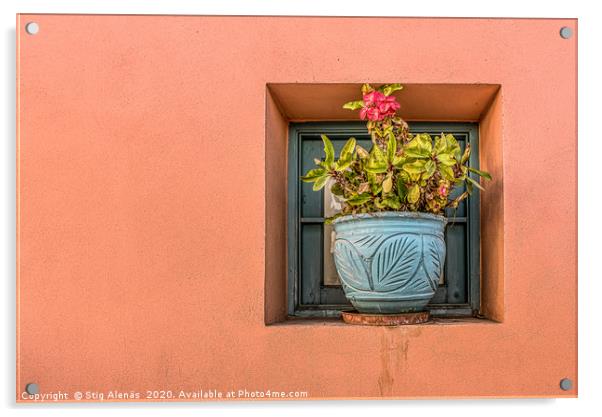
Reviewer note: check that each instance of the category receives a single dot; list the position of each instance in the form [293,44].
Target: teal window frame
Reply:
[460,294]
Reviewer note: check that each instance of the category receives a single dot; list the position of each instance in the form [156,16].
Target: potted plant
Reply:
[389,249]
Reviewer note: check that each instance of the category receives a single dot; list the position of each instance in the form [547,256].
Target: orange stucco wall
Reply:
[491,129]
[149,224]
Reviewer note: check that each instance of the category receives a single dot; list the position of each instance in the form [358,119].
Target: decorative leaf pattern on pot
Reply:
[395,262]
[419,284]
[366,245]
[351,268]
[434,258]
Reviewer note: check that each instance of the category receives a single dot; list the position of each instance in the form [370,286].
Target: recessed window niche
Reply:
[295,102]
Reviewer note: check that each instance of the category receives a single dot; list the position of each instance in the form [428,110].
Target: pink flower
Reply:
[373,98]
[443,190]
[388,105]
[371,113]
[377,106]
[364,113]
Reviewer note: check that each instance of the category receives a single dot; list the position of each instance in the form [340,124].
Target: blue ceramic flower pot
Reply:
[390,262]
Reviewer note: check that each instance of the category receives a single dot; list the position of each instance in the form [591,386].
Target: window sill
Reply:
[337,322]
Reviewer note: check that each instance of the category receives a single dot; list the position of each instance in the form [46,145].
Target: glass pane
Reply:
[330,273]
[456,239]
[311,244]
[311,202]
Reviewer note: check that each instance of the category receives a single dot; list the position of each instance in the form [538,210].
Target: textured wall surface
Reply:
[145,209]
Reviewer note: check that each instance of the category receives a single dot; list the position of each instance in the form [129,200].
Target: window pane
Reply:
[455,237]
[330,273]
[311,246]
[311,202]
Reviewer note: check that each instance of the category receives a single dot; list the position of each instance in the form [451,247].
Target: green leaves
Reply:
[320,183]
[354,105]
[447,150]
[447,144]
[416,167]
[377,163]
[337,189]
[359,199]
[389,89]
[420,146]
[429,169]
[329,151]
[402,190]
[313,174]
[388,184]
[319,176]
[398,161]
[413,194]
[392,201]
[452,146]
[440,145]
[375,182]
[447,172]
[346,156]
[361,152]
[391,148]
[475,183]
[480,173]
[367,88]
[386,89]
[455,202]
[446,159]
[466,155]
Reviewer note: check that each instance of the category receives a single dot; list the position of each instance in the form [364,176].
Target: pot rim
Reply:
[391,214]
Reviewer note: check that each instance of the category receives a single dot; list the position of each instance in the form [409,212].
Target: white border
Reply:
[590,190]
